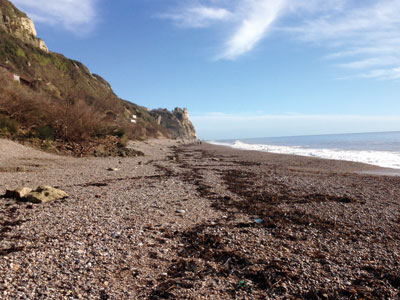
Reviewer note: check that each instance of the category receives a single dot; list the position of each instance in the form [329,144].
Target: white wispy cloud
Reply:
[78,16]
[251,20]
[198,16]
[258,17]
[383,74]
[370,62]
[359,36]
[378,17]
[363,39]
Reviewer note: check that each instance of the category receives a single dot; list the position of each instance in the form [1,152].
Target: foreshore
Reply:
[198,222]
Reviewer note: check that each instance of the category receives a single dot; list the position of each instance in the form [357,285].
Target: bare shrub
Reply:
[69,119]
[77,121]
[19,104]
[8,125]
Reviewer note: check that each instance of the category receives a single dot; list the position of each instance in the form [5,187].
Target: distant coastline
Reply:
[379,148]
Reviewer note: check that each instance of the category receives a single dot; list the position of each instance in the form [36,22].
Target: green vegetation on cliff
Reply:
[58,98]
[8,9]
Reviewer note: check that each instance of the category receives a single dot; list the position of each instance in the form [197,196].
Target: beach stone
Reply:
[113,169]
[15,267]
[116,235]
[44,194]
[180,211]
[18,193]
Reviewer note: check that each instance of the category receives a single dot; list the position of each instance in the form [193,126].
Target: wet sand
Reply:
[199,222]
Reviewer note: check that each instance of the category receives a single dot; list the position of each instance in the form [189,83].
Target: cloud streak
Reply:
[362,39]
[197,16]
[77,16]
[251,21]
[359,37]
[259,16]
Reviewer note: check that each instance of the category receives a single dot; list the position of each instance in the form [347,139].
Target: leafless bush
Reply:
[72,119]
[21,105]
[75,120]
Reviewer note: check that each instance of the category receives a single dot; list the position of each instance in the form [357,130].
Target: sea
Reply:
[378,148]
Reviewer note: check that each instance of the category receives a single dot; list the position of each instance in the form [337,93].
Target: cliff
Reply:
[64,84]
[176,121]
[17,24]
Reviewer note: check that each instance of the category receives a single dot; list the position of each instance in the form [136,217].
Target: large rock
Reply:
[18,193]
[44,194]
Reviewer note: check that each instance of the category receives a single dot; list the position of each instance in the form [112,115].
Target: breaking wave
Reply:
[386,159]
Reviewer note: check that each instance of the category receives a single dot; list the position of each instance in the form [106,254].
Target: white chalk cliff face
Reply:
[26,26]
[19,25]
[177,121]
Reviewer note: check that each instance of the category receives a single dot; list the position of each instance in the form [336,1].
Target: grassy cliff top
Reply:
[8,9]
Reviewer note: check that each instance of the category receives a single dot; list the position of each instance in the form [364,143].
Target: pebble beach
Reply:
[198,222]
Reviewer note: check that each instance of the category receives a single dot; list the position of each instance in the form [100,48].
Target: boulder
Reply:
[44,194]
[18,193]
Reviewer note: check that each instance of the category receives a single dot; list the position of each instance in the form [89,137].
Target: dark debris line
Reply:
[298,258]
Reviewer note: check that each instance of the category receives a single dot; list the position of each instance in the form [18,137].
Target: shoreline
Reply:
[198,221]
[385,159]
[364,168]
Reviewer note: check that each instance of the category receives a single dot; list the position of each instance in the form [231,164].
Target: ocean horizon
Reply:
[376,148]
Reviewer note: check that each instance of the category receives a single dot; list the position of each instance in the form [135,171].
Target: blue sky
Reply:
[243,68]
